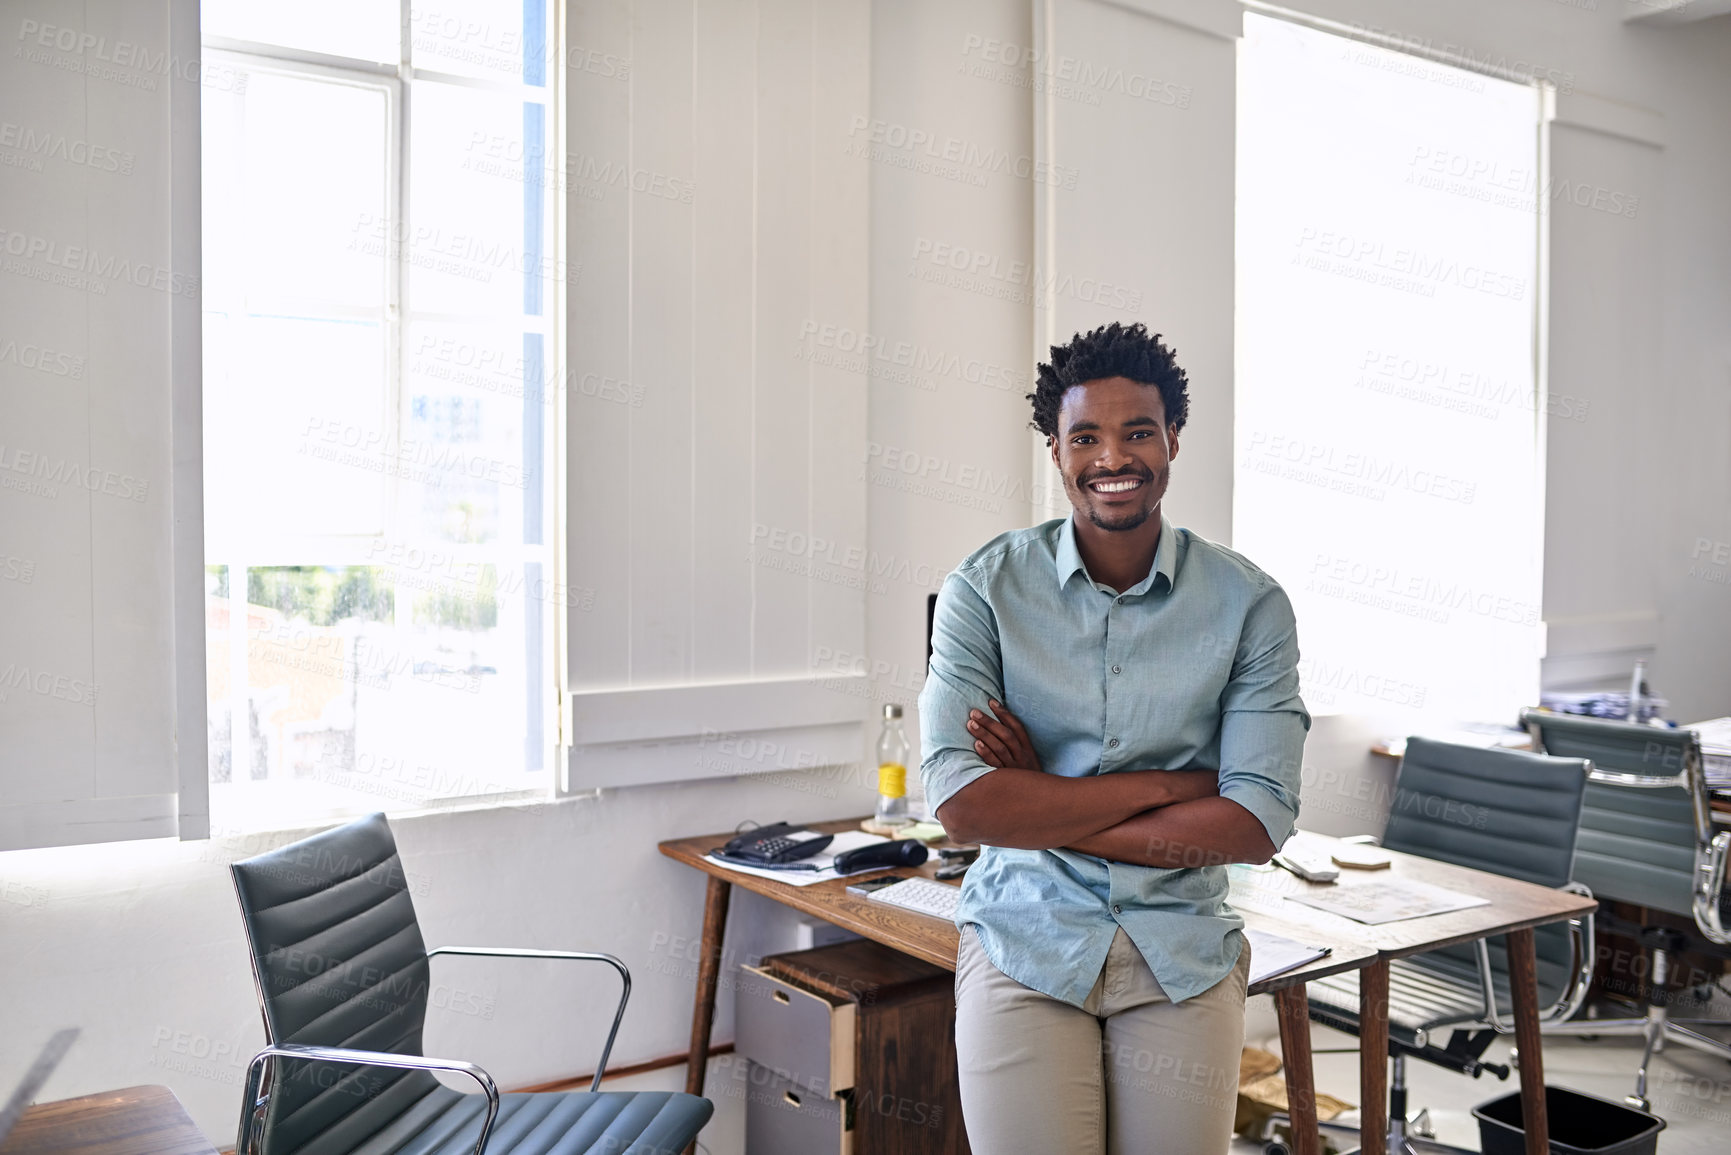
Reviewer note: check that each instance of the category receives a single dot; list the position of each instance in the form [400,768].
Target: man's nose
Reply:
[1113,457]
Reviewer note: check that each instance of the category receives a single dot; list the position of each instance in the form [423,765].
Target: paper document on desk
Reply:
[824,860]
[1274,954]
[1387,900]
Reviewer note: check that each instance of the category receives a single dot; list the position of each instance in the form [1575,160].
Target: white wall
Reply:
[139,944]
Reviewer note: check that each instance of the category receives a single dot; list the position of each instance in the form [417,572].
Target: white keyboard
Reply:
[923,896]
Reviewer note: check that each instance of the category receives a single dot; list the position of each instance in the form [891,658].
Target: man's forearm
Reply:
[1203,832]
[1032,810]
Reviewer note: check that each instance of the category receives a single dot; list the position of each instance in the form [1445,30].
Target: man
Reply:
[1112,710]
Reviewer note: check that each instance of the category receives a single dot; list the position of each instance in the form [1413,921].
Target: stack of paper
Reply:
[1273,954]
[823,861]
[1388,900]
[1715,750]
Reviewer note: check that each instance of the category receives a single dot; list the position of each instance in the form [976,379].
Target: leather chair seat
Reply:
[446,1122]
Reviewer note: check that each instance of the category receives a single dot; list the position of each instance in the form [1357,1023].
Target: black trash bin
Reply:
[1580,1125]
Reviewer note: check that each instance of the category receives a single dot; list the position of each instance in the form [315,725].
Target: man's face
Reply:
[1114,450]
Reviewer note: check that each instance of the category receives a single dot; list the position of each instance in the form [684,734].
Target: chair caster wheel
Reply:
[1514,1058]
[1637,1102]
[1276,1147]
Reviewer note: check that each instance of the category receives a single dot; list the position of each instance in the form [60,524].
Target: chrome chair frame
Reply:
[1711,851]
[252,1121]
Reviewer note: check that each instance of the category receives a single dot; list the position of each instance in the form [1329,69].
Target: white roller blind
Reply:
[1389,445]
[101,618]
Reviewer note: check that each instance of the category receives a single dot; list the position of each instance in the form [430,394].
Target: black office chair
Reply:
[342,976]
[1647,838]
[1507,812]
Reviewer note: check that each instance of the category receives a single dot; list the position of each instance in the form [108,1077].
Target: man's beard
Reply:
[1134,521]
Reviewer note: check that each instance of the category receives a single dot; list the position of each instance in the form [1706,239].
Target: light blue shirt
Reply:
[1194,667]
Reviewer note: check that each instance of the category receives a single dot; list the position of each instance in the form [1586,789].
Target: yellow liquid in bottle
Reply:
[892,779]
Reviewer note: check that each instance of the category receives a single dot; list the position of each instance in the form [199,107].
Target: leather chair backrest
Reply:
[1637,842]
[1509,812]
[339,961]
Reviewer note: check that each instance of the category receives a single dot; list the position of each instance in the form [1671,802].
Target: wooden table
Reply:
[133,1121]
[935,941]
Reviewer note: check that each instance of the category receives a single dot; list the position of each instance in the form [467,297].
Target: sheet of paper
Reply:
[1387,900]
[824,860]
[1274,954]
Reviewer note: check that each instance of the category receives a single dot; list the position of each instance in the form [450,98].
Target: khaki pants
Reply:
[1128,1074]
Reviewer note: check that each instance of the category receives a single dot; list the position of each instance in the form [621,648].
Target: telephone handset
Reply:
[774,845]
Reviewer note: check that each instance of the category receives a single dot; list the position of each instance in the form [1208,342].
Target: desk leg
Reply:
[1524,986]
[1294,1009]
[1373,1059]
[708,974]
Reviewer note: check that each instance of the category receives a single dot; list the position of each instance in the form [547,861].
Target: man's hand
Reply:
[1002,741]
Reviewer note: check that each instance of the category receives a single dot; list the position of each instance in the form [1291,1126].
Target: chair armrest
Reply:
[1488,987]
[577,956]
[1582,937]
[1642,781]
[1709,882]
[251,1102]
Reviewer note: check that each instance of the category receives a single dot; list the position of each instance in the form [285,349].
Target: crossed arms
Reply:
[1172,818]
[981,768]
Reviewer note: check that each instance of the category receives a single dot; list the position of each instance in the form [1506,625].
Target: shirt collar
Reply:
[1069,558]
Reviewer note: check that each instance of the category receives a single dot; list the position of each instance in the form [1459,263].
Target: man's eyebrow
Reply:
[1088,426]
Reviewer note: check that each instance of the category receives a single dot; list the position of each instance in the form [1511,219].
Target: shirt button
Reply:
[1117,669]
[1117,910]
[1113,743]
[1120,601]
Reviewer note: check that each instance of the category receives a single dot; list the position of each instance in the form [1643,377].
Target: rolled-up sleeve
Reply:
[1262,719]
[966,670]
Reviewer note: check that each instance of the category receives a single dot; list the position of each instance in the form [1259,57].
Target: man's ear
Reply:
[1052,447]
[1171,442]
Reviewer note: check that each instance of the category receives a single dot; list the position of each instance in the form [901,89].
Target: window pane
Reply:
[477,409]
[296,439]
[314,237]
[1387,225]
[360,29]
[465,245]
[479,38]
[374,686]
[282,230]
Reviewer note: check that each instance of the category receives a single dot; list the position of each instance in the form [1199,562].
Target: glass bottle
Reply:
[892,771]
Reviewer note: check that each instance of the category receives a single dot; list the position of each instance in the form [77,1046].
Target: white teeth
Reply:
[1116,486]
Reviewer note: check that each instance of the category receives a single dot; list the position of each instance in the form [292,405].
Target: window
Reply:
[382,276]
[1390,416]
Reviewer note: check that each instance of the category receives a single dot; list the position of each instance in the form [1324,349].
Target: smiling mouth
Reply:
[1114,486]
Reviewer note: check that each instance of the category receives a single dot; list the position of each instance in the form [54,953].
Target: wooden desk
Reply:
[936,941]
[133,1121]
